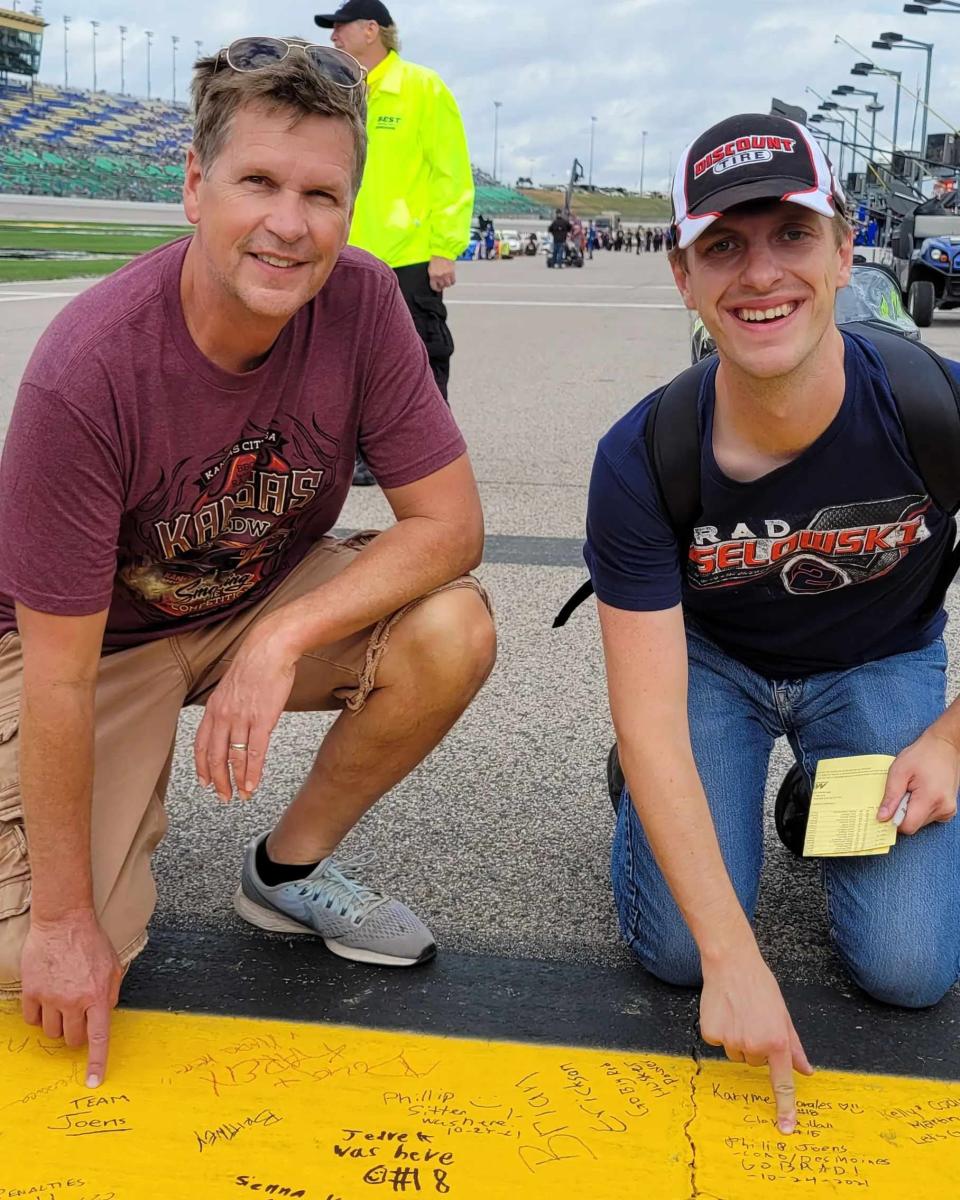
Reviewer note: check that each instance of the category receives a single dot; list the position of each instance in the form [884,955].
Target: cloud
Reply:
[670,68]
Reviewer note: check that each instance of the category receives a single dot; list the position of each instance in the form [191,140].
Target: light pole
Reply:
[149,33]
[66,29]
[929,6]
[174,42]
[497,105]
[825,133]
[863,69]
[820,119]
[199,46]
[643,155]
[123,46]
[846,89]
[891,41]
[593,126]
[826,105]
[873,109]
[831,105]
[866,69]
[94,25]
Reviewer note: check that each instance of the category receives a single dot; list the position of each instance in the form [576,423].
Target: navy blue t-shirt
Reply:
[821,564]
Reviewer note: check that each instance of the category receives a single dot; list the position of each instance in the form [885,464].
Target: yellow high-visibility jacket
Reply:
[417,195]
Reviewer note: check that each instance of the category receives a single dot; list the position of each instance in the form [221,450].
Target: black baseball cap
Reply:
[356,10]
[752,156]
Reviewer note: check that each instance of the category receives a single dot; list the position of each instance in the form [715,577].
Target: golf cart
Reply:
[927,256]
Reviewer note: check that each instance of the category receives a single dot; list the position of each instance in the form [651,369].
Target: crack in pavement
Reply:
[698,1059]
[695,1192]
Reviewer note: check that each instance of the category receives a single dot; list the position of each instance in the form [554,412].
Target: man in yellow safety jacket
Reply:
[415,206]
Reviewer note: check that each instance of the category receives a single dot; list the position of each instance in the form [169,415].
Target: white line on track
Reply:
[10,297]
[600,287]
[603,287]
[558,304]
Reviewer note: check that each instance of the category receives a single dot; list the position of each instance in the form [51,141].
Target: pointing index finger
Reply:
[98,1042]
[784,1089]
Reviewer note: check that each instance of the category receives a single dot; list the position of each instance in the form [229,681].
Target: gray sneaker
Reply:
[354,920]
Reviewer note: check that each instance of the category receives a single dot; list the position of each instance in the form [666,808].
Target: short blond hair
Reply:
[293,86]
[390,38]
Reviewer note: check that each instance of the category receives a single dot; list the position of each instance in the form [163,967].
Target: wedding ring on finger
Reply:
[238,745]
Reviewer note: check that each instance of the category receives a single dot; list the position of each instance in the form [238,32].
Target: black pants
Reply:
[430,317]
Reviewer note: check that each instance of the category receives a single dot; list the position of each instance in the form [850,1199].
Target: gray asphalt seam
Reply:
[524,551]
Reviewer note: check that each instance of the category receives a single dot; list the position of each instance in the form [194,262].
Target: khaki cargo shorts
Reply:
[140,692]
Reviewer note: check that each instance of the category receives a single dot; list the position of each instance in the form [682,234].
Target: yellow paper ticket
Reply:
[847,794]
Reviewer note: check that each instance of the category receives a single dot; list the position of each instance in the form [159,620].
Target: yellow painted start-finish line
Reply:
[222,1108]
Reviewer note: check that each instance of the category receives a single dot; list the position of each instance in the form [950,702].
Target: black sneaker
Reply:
[615,779]
[362,475]
[792,810]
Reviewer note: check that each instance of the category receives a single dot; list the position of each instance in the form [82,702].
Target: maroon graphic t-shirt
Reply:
[138,475]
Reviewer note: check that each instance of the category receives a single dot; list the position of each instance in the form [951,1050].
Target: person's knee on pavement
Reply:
[906,974]
[668,953]
[677,963]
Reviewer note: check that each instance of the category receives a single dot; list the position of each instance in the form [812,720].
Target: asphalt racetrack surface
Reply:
[501,840]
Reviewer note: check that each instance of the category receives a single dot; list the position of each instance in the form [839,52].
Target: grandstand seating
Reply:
[59,142]
[493,200]
[83,119]
[496,201]
[56,142]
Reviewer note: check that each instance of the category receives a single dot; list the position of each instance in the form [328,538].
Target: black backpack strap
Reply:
[583,592]
[672,437]
[928,400]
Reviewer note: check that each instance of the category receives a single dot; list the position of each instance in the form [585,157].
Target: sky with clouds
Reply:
[669,67]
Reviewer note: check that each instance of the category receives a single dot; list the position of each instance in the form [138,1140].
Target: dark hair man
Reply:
[759,628]
[559,229]
[181,445]
[415,206]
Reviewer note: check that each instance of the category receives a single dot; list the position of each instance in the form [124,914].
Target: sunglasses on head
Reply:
[257,53]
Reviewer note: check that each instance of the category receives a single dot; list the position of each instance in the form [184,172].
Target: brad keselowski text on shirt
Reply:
[822,564]
[139,476]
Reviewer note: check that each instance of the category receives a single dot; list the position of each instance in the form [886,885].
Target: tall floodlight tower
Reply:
[94,25]
[497,105]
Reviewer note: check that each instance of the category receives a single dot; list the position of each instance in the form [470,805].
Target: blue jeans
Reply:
[894,918]
[559,253]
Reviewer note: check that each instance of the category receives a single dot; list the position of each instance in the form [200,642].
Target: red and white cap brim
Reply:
[823,197]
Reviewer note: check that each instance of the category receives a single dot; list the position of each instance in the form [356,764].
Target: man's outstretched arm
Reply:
[70,972]
[741,1007]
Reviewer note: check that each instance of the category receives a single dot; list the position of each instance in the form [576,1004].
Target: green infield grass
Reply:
[24,271]
[591,204]
[93,240]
